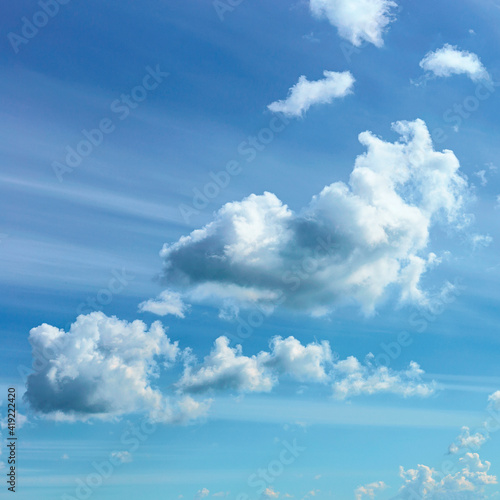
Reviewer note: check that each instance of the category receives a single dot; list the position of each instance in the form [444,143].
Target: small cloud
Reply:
[270,493]
[369,490]
[318,476]
[480,240]
[65,457]
[449,60]
[481,174]
[311,38]
[123,457]
[168,302]
[204,492]
[305,93]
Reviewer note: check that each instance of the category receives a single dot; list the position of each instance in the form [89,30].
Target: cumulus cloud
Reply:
[102,368]
[226,368]
[305,93]
[348,246]
[449,61]
[468,441]
[466,484]
[168,302]
[355,379]
[369,490]
[357,20]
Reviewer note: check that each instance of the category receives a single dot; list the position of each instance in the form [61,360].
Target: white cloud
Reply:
[270,493]
[466,484]
[168,302]
[348,246]
[305,93]
[204,492]
[226,368]
[449,60]
[357,20]
[481,174]
[123,457]
[355,379]
[494,400]
[103,368]
[467,441]
[369,490]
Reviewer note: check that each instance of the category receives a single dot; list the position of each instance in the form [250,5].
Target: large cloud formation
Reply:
[306,93]
[357,20]
[349,245]
[102,368]
[449,60]
[226,368]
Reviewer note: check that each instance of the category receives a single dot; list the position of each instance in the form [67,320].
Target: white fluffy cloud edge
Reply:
[449,60]
[354,244]
[104,368]
[305,93]
[357,21]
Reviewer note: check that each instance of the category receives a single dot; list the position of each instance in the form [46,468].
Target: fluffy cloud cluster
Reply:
[354,379]
[468,441]
[466,484]
[369,490]
[226,368]
[357,20]
[305,93]
[102,368]
[348,246]
[449,60]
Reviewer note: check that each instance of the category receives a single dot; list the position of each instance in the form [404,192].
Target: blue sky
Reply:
[89,239]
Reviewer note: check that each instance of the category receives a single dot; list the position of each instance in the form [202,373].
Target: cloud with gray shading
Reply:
[103,368]
[348,246]
[226,368]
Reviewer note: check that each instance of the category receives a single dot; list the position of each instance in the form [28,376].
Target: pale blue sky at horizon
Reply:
[198,166]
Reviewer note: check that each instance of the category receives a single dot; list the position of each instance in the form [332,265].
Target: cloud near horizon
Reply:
[348,246]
